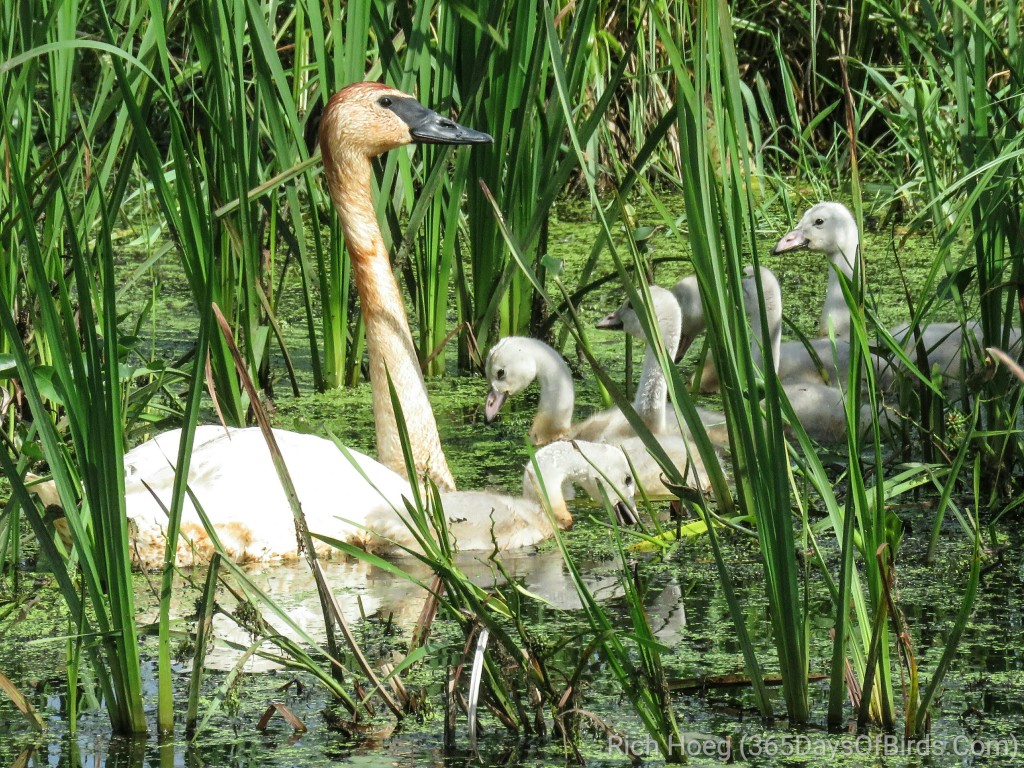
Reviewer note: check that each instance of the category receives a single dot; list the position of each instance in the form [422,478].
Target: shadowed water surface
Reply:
[979,711]
[977,718]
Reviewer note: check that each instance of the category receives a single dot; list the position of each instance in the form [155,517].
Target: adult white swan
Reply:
[356,499]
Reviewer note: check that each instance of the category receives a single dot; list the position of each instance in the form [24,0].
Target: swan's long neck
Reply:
[557,396]
[836,310]
[687,292]
[388,338]
[561,465]
[773,314]
[555,496]
[652,390]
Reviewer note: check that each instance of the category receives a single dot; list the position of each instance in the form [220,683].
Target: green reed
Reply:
[61,327]
[951,105]
[719,220]
[196,113]
[528,168]
[85,366]
[543,688]
[67,345]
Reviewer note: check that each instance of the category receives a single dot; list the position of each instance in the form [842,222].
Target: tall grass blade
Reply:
[475,678]
[204,627]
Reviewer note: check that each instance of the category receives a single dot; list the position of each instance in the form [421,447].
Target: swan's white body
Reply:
[688,296]
[361,502]
[233,478]
[161,450]
[683,455]
[829,228]
[819,407]
[821,410]
[945,345]
[797,365]
[794,363]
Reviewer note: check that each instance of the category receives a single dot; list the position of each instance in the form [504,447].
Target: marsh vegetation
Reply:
[157,166]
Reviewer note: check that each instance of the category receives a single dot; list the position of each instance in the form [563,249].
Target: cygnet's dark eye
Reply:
[628,481]
[384,101]
[501,373]
[818,222]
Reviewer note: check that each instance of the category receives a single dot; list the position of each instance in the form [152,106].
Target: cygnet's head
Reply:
[609,466]
[666,313]
[510,369]
[825,228]
[590,466]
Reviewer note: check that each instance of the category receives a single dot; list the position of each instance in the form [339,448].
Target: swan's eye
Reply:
[628,481]
[501,373]
[818,222]
[384,101]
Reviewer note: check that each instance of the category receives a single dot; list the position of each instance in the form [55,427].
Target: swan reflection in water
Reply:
[365,590]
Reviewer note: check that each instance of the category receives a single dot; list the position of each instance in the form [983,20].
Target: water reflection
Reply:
[365,591]
[686,609]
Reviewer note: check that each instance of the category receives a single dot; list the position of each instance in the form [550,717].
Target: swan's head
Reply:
[566,465]
[688,297]
[606,466]
[510,369]
[825,228]
[371,118]
[666,313]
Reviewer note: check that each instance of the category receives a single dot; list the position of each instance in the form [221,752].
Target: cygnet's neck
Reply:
[557,397]
[561,465]
[687,293]
[773,315]
[652,390]
[843,259]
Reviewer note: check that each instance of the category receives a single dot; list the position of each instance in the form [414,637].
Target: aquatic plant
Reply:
[957,102]
[185,124]
[86,390]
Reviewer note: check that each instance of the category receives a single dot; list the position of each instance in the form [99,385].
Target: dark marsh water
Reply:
[976,721]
